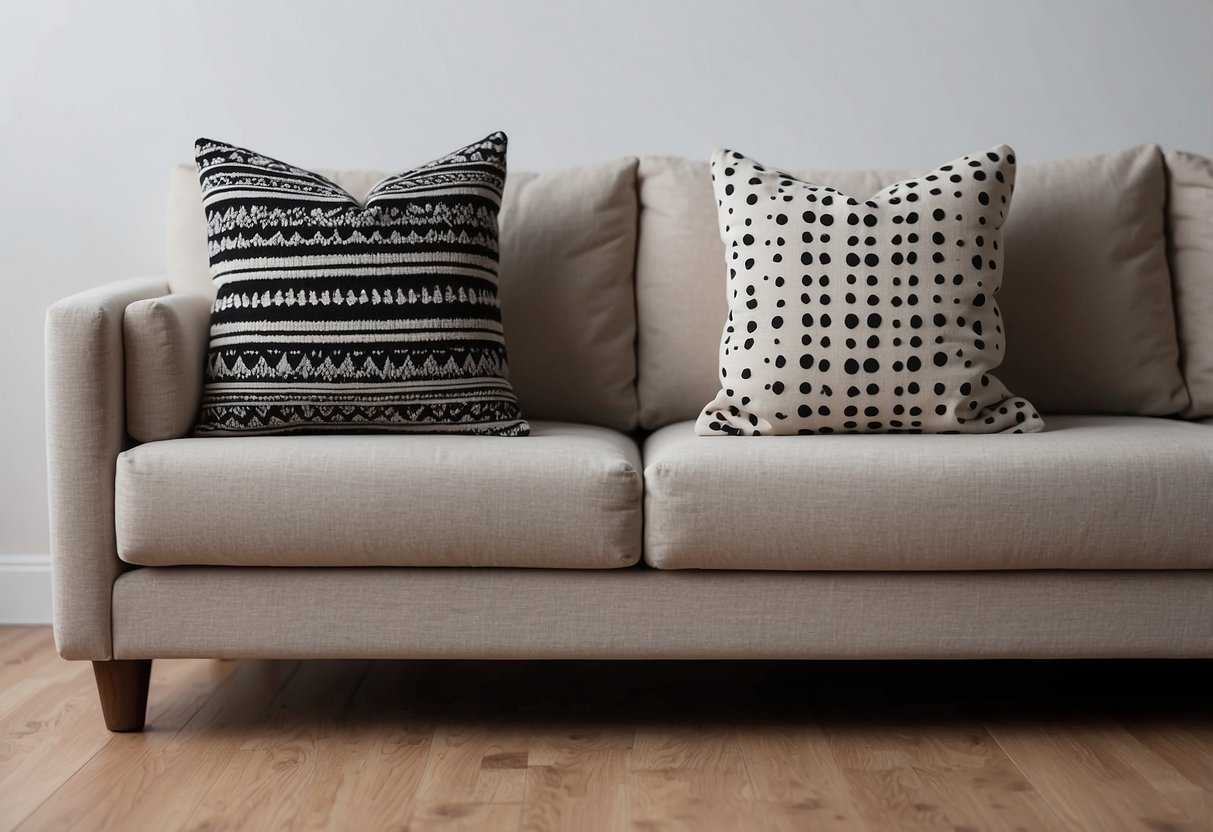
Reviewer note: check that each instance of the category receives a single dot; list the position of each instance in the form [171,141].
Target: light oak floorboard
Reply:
[373,766]
[689,776]
[25,650]
[1123,752]
[465,817]
[577,778]
[166,785]
[796,779]
[46,736]
[1188,748]
[275,766]
[1088,785]
[971,778]
[885,787]
[591,746]
[112,783]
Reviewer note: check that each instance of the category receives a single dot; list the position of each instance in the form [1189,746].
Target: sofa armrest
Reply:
[166,339]
[86,430]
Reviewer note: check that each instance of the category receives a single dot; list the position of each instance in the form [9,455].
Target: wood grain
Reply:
[577,778]
[46,736]
[24,650]
[796,779]
[276,764]
[166,784]
[884,785]
[373,766]
[1086,782]
[608,746]
[106,791]
[976,785]
[689,776]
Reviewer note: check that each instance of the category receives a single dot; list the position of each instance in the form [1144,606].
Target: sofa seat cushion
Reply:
[1091,492]
[569,496]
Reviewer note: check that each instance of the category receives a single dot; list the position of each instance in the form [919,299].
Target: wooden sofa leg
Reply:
[122,685]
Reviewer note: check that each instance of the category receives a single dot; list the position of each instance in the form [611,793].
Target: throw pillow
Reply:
[860,316]
[331,315]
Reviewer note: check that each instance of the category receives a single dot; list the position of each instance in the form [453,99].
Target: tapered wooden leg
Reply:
[122,685]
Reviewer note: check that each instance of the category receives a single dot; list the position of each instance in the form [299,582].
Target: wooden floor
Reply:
[264,745]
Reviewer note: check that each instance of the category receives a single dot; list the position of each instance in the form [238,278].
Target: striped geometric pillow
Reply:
[336,316]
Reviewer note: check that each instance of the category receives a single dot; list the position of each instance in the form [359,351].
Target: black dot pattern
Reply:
[864,316]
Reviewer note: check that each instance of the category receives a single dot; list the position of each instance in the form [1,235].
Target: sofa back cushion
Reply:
[568,242]
[1190,234]
[1086,296]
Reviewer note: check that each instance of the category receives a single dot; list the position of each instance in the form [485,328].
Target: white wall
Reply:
[98,99]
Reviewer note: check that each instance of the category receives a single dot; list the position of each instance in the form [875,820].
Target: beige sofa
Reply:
[614,532]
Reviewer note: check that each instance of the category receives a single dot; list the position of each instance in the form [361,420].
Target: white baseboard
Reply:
[25,589]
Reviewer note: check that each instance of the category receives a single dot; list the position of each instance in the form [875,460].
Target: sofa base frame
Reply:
[643,613]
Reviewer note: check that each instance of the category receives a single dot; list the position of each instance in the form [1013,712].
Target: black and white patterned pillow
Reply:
[850,316]
[332,315]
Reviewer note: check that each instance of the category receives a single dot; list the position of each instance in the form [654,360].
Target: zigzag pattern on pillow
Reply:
[331,315]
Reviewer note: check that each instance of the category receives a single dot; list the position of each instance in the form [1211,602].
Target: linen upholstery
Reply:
[1190,236]
[568,257]
[165,341]
[568,496]
[85,432]
[1091,492]
[1087,293]
[1086,297]
[643,613]
[567,241]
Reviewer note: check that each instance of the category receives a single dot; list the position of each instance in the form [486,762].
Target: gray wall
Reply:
[99,99]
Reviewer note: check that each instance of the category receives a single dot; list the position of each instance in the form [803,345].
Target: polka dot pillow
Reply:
[851,315]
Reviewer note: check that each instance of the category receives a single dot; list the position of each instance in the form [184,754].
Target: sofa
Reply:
[615,532]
